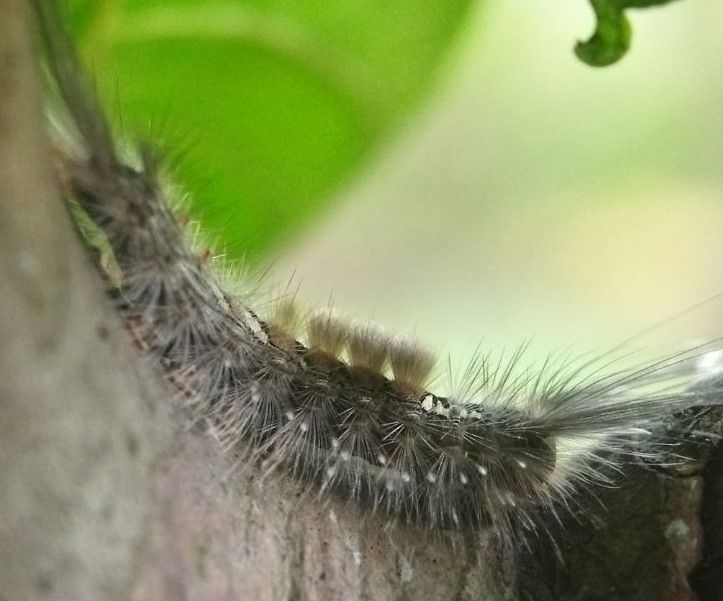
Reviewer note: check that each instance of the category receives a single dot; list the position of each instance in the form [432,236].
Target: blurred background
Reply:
[541,198]
[450,170]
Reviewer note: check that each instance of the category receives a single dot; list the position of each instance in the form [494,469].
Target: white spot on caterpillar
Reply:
[357,557]
[255,326]
[677,530]
[428,402]
[440,409]
[330,471]
[345,455]
[304,427]
[431,477]
[482,470]
[463,478]
[522,464]
[289,415]
[382,459]
[390,485]
[406,477]
[255,392]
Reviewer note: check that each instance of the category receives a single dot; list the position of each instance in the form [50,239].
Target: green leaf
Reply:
[611,39]
[276,100]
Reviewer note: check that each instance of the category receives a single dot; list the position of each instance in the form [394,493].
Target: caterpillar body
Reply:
[343,407]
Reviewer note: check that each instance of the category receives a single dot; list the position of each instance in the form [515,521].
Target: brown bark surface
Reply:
[78,427]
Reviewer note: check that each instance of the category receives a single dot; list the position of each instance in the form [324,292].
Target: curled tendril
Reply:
[611,38]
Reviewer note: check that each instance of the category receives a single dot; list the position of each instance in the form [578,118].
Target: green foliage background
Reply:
[274,103]
[275,100]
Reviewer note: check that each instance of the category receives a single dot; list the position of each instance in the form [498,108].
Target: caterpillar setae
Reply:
[343,408]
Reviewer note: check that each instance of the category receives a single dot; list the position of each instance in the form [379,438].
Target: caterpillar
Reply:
[343,408]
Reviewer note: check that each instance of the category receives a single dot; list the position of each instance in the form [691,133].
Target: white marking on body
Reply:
[406,477]
[382,459]
[463,478]
[522,464]
[482,470]
[255,326]
[431,477]
[345,455]
[289,415]
[428,402]
[440,409]
[677,530]
[304,426]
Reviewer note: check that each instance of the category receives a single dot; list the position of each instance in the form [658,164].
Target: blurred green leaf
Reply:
[611,39]
[276,100]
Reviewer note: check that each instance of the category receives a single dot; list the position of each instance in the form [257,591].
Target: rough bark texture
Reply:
[103,496]
[223,535]
[707,577]
[78,427]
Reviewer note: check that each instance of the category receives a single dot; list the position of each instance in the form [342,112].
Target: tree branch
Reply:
[77,426]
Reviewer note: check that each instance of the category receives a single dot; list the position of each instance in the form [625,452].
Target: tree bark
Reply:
[79,429]
[104,495]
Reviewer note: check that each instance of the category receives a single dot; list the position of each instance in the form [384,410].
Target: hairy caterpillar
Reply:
[342,407]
